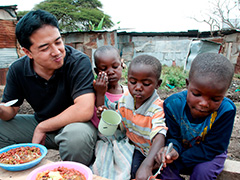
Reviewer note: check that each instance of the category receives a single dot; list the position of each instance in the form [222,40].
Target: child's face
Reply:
[112,65]
[141,83]
[204,96]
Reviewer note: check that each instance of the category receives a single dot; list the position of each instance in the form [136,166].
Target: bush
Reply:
[237,76]
[172,77]
[124,79]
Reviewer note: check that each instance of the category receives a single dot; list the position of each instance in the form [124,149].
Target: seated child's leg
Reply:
[209,170]
[137,159]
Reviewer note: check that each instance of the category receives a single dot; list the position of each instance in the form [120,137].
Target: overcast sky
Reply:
[145,15]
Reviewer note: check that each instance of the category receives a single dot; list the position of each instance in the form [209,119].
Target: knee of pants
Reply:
[77,142]
[203,171]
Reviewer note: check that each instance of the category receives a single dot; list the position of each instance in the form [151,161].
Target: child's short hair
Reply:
[212,65]
[148,60]
[103,50]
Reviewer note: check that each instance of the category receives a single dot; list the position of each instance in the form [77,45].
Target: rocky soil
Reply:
[234,146]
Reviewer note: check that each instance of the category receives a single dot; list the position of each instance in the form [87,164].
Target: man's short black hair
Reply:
[212,65]
[31,22]
[148,60]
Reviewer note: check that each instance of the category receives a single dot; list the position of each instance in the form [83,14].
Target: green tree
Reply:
[77,15]
[21,13]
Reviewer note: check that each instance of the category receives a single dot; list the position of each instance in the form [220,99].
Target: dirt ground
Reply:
[234,146]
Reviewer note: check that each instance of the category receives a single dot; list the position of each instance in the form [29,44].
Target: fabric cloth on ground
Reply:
[113,156]
[113,153]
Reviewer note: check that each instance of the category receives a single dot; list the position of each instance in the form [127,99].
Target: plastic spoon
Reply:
[169,149]
[9,103]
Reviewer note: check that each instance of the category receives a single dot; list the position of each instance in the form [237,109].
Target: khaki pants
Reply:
[76,141]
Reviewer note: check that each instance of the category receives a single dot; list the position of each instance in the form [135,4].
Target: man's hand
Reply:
[7,113]
[39,136]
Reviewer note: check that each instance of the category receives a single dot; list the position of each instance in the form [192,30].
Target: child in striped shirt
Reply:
[142,114]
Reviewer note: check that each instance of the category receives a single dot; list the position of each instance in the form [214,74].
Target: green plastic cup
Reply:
[109,122]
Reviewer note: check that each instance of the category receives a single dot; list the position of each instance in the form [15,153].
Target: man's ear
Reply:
[159,83]
[27,52]
[187,82]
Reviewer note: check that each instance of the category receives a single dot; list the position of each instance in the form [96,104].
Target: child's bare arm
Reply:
[146,167]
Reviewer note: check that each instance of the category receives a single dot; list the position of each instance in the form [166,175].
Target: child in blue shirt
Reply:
[200,121]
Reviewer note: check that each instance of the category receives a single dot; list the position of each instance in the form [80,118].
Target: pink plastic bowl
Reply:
[86,171]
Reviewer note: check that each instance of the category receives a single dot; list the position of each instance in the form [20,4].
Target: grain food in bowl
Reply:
[28,160]
[61,170]
[61,173]
[20,155]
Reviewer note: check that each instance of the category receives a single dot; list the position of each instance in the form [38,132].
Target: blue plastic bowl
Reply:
[20,167]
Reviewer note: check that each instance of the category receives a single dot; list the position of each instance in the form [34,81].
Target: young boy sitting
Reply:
[200,121]
[142,114]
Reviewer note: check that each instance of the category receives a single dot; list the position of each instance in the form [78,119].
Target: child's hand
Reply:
[100,109]
[101,83]
[166,159]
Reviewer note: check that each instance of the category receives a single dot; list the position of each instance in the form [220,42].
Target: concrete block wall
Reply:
[231,171]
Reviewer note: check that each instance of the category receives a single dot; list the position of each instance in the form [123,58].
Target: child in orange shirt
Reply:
[142,114]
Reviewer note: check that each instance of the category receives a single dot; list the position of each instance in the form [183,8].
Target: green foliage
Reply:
[99,27]
[237,105]
[173,77]
[76,15]
[118,23]
[237,76]
[124,79]
[21,13]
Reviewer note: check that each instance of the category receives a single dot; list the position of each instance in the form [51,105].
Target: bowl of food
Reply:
[22,156]
[63,170]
